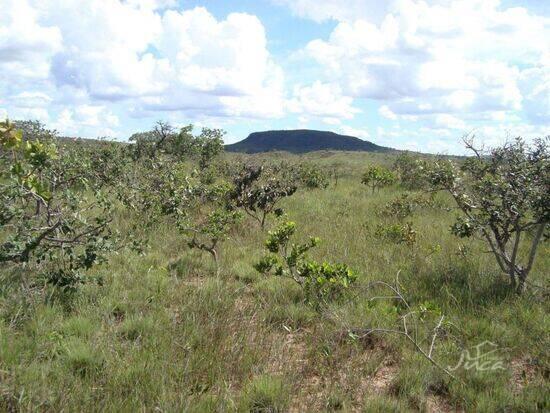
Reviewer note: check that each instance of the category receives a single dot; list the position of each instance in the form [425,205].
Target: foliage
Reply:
[208,145]
[50,218]
[149,143]
[163,138]
[414,322]
[321,281]
[504,196]
[405,205]
[377,177]
[408,169]
[397,233]
[202,211]
[258,189]
[312,176]
[207,230]
[142,325]
[32,130]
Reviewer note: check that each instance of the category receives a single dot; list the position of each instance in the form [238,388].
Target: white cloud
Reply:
[331,121]
[535,85]
[27,99]
[446,65]
[358,133]
[387,113]
[225,61]
[152,4]
[86,121]
[447,121]
[26,46]
[143,52]
[322,100]
[40,114]
[456,57]
[321,10]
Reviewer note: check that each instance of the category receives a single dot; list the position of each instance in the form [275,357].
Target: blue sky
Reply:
[411,74]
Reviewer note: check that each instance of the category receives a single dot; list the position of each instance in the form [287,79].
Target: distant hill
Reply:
[301,141]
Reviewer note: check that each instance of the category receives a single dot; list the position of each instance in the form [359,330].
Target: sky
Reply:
[409,74]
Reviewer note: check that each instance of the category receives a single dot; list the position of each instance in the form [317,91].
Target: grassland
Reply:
[162,332]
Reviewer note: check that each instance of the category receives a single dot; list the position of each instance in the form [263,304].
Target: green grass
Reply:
[265,394]
[163,332]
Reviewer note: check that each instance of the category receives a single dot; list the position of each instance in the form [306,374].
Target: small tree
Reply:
[397,233]
[504,196]
[406,205]
[203,148]
[377,177]
[407,168]
[202,212]
[206,217]
[258,189]
[312,176]
[180,144]
[209,145]
[206,233]
[52,220]
[148,144]
[34,130]
[320,281]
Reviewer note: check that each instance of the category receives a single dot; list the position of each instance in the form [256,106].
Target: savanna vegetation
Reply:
[166,275]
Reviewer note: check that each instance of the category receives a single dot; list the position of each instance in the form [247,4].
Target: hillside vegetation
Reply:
[301,141]
[183,278]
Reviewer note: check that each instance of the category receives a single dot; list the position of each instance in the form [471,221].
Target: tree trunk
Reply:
[262,223]
[522,277]
[512,274]
[524,272]
[214,254]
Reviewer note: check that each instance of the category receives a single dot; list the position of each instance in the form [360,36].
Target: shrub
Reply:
[397,233]
[202,211]
[164,138]
[405,205]
[258,189]
[409,171]
[321,282]
[52,217]
[377,177]
[205,233]
[312,176]
[504,196]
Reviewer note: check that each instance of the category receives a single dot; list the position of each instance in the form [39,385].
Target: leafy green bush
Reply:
[377,177]
[504,197]
[321,281]
[165,189]
[408,169]
[312,176]
[258,189]
[182,144]
[52,218]
[397,233]
[405,205]
[207,232]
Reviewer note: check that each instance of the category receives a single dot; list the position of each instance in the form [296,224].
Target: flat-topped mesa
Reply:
[302,141]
